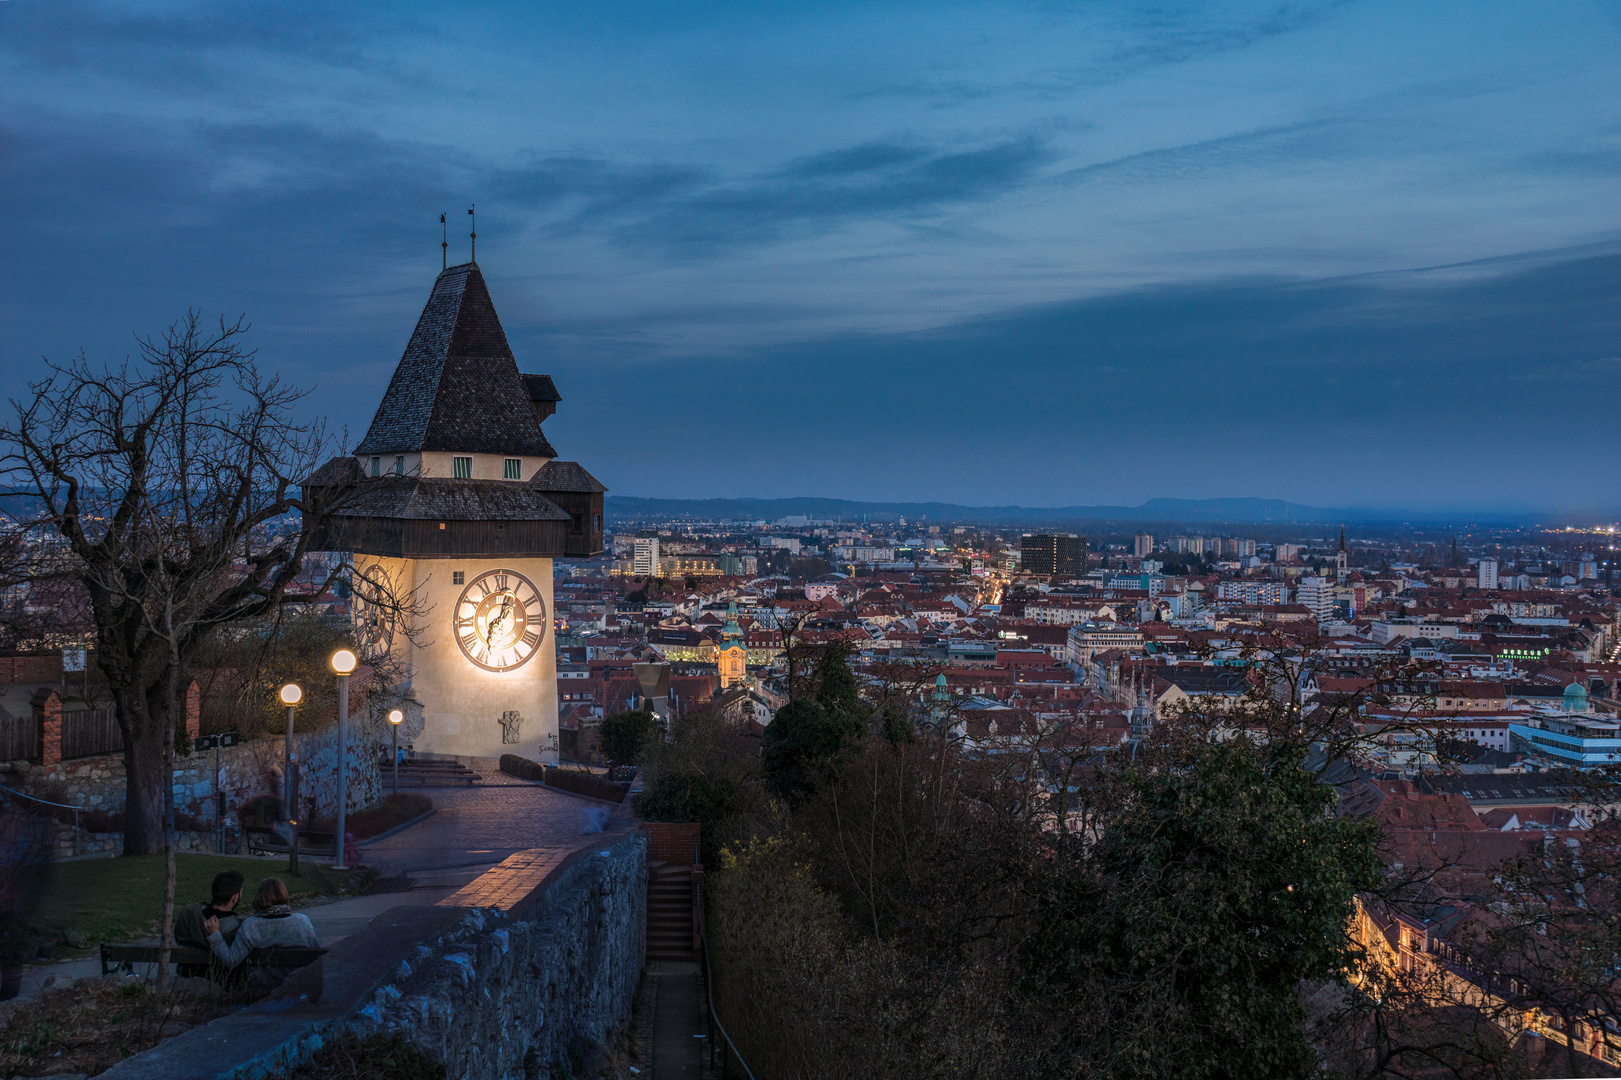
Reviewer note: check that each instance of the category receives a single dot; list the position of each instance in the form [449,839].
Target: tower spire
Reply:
[473,235]
[444,244]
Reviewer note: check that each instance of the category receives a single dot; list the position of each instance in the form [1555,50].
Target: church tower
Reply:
[462,506]
[1342,567]
[731,657]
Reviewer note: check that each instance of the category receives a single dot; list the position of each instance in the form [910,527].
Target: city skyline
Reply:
[1340,254]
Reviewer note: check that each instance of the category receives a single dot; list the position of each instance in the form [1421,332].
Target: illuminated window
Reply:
[512,469]
[461,468]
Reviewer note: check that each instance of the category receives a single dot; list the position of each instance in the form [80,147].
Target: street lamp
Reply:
[394,718]
[291,695]
[343,662]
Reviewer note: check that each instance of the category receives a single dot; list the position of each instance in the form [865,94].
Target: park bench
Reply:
[266,841]
[122,957]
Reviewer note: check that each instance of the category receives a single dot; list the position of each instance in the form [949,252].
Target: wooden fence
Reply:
[88,732]
[19,738]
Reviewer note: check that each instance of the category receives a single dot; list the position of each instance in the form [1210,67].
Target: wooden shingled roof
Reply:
[541,388]
[457,388]
[565,476]
[444,499]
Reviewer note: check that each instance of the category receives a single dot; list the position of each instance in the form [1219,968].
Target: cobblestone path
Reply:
[479,826]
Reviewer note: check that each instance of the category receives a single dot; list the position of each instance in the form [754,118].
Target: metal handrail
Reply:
[47,802]
[714,1017]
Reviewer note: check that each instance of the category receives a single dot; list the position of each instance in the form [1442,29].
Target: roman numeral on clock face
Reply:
[531,638]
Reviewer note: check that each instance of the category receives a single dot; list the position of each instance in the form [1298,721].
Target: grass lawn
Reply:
[95,900]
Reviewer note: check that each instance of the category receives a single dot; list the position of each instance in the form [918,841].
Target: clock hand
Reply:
[497,619]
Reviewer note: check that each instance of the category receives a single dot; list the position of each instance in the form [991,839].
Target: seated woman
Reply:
[272,923]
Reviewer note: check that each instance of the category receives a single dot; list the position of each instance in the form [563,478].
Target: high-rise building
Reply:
[1053,554]
[1142,544]
[644,560]
[1488,573]
[1317,595]
[1586,567]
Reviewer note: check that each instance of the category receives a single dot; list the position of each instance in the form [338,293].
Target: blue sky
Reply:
[1343,253]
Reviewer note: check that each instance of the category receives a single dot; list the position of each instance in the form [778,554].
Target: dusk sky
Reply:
[1347,254]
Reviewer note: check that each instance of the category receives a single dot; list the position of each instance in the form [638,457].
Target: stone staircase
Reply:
[429,772]
[669,911]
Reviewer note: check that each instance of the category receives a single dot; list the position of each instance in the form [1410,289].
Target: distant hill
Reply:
[1257,511]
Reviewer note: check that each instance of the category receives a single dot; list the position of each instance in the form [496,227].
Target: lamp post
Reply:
[291,695]
[343,662]
[394,718]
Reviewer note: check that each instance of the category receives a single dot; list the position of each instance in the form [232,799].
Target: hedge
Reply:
[522,767]
[581,782]
[577,781]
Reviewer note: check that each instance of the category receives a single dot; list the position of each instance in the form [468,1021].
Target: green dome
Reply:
[1576,697]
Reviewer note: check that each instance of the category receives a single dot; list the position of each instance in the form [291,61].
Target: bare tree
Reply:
[163,488]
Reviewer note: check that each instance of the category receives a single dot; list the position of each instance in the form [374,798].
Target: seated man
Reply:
[272,923]
[189,922]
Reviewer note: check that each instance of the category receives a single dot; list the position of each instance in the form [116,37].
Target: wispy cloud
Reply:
[692,211]
[1132,39]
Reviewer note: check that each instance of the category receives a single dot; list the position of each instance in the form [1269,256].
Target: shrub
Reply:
[692,796]
[392,811]
[581,782]
[377,1057]
[522,767]
[625,735]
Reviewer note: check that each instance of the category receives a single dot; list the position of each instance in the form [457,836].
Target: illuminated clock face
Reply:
[500,620]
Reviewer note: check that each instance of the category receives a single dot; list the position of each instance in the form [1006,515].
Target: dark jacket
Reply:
[188,925]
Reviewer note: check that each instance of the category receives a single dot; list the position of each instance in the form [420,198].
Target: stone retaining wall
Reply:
[542,953]
[506,984]
[247,769]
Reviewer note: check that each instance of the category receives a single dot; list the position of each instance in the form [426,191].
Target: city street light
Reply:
[343,662]
[291,695]
[394,718]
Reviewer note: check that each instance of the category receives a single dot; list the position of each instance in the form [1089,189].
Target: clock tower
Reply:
[454,497]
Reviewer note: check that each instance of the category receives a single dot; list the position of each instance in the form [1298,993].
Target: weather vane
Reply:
[473,233]
[444,243]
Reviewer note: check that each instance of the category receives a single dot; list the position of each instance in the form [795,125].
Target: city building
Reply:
[1053,554]
[732,656]
[1253,593]
[645,556]
[1317,595]
[1142,544]
[1488,573]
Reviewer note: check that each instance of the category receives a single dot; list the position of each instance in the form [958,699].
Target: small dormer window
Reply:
[461,468]
[512,469]
[377,466]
